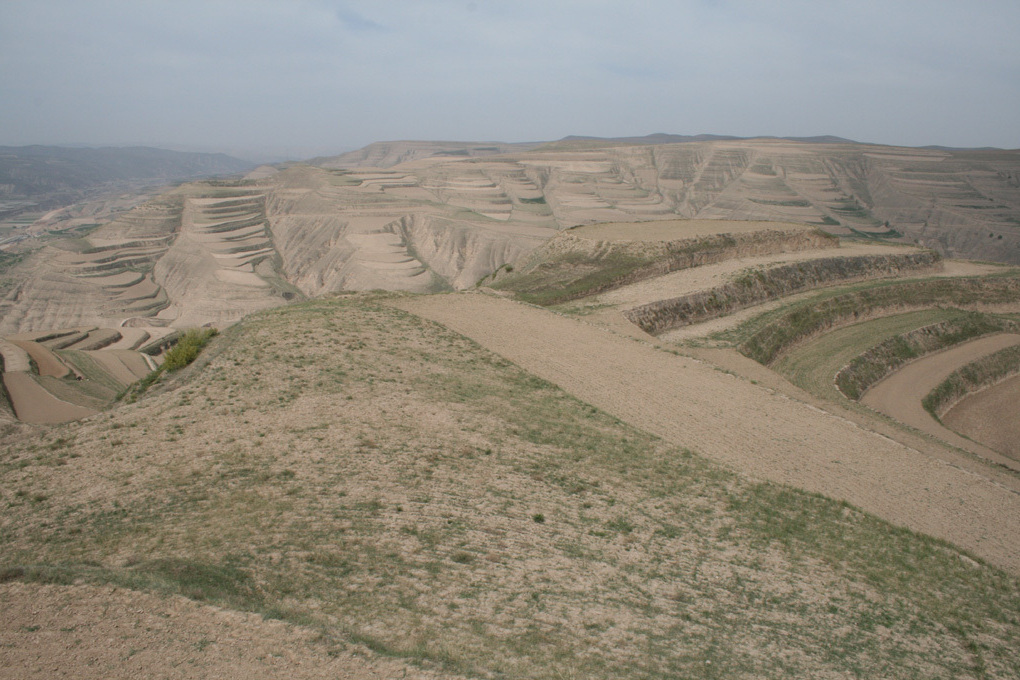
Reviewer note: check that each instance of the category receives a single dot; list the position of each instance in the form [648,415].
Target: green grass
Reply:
[541,287]
[891,353]
[350,467]
[187,348]
[574,274]
[814,364]
[755,286]
[9,260]
[767,336]
[792,203]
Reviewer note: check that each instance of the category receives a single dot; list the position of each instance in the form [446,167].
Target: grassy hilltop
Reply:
[358,471]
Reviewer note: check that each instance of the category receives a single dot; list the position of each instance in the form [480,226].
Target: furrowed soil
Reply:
[35,404]
[390,488]
[991,416]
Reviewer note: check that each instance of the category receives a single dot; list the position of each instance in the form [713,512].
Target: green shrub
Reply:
[187,348]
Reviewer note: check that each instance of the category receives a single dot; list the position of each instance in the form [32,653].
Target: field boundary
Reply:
[763,285]
[974,377]
[819,314]
[870,367]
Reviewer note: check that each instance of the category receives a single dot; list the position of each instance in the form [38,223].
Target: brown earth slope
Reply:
[992,417]
[754,430]
[435,216]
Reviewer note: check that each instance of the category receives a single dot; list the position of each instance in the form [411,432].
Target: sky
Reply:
[300,78]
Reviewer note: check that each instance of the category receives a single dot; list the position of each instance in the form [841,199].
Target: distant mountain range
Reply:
[53,175]
[665,138]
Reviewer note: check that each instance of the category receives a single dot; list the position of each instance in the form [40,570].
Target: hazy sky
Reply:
[317,76]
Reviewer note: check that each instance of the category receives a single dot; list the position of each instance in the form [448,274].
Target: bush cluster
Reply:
[187,348]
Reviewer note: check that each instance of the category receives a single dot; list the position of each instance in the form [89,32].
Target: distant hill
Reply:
[388,154]
[53,175]
[665,138]
[427,216]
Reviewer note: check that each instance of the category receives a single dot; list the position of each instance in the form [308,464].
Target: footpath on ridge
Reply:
[751,429]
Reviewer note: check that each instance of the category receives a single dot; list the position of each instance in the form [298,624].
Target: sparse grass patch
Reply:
[419,504]
[765,337]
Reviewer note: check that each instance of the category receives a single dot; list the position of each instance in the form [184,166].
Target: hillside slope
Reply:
[384,481]
[446,215]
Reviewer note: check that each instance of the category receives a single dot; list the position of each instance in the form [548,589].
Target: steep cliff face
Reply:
[462,253]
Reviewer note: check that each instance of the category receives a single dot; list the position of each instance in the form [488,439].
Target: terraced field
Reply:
[59,376]
[368,492]
[593,480]
[751,293]
[989,417]
[423,217]
[900,394]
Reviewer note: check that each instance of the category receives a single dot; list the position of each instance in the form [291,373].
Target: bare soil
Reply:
[752,429]
[899,394]
[991,416]
[34,404]
[89,632]
[674,229]
[48,362]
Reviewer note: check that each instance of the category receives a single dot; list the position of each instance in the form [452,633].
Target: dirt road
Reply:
[899,395]
[749,428]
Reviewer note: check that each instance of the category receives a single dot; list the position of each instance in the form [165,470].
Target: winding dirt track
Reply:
[899,395]
[753,430]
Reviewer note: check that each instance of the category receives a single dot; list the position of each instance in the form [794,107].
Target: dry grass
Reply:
[354,468]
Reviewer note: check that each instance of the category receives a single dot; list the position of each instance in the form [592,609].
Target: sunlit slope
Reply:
[963,203]
[439,216]
[384,480]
